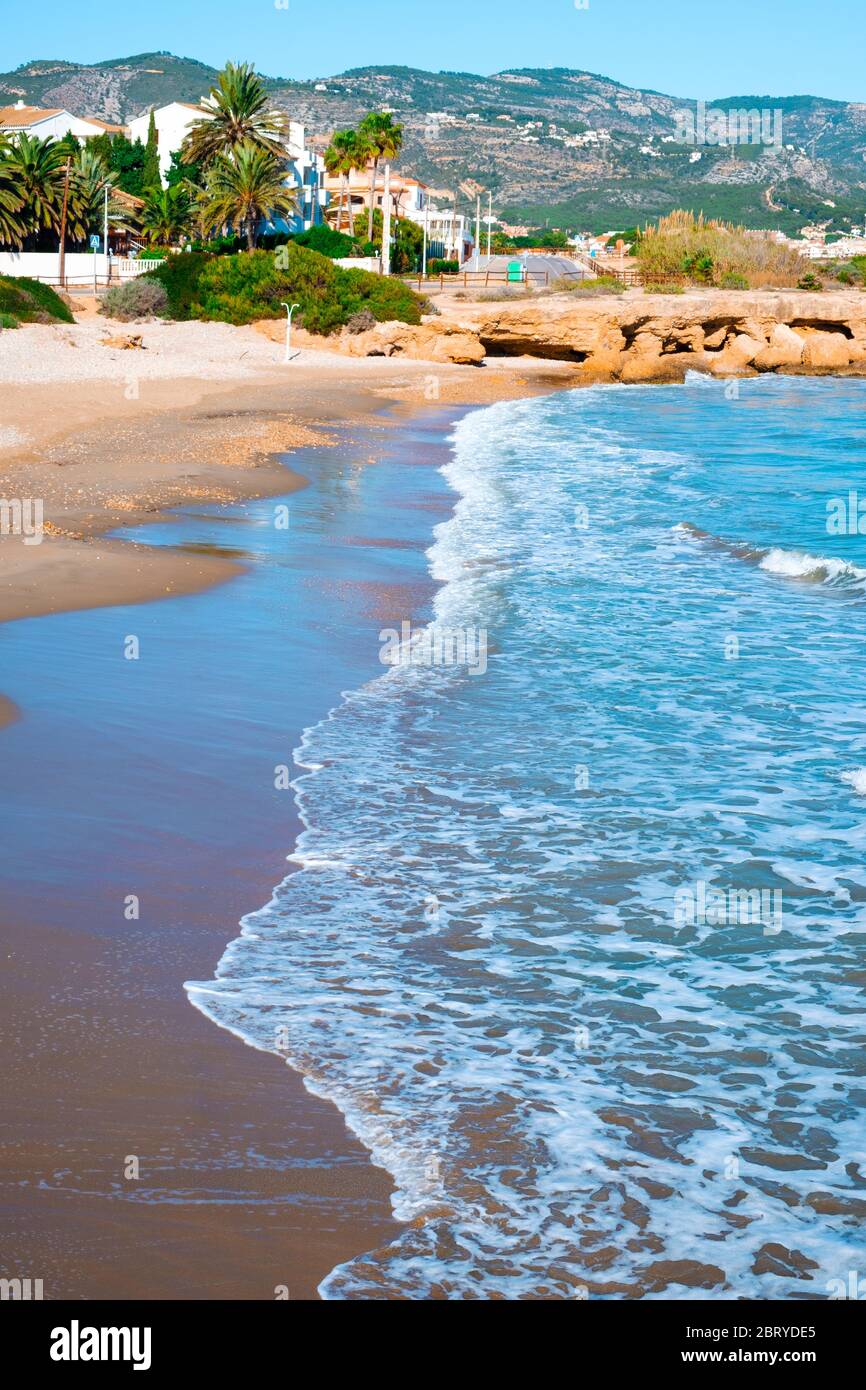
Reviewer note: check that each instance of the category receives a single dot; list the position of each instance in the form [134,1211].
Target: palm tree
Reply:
[38,169]
[341,157]
[165,215]
[238,114]
[12,225]
[90,178]
[245,186]
[385,141]
[363,154]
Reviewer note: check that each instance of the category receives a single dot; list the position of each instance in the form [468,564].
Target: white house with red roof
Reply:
[49,122]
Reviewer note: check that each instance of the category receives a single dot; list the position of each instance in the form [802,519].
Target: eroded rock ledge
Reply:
[639,337]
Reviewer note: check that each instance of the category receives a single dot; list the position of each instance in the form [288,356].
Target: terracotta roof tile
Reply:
[26,115]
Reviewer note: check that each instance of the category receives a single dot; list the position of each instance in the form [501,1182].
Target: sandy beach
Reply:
[109,437]
[107,1058]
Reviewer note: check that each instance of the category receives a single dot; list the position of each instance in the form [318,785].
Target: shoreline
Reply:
[196,1067]
[221,443]
[208,1095]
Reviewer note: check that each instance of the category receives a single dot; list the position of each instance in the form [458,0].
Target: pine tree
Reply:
[150,175]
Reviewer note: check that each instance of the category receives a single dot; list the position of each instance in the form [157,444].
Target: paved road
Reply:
[556,266]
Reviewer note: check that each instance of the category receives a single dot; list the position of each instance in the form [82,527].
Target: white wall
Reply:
[44,265]
[371,263]
[55,127]
[172,123]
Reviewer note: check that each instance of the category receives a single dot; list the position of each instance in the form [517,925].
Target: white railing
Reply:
[80,270]
[124,269]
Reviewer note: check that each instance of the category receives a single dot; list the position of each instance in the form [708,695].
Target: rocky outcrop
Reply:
[784,349]
[639,337]
[430,341]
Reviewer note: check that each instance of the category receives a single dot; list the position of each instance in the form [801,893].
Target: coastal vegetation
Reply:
[232,175]
[682,249]
[587,289]
[137,299]
[377,138]
[123,159]
[542,238]
[242,288]
[29,301]
[246,185]
[165,215]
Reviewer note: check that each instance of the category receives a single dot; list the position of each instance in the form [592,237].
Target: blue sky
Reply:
[685,47]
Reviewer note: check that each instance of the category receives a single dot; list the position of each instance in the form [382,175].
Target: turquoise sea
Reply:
[574,934]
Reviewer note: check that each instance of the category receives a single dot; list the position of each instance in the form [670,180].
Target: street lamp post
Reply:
[290,309]
[426,233]
[386,223]
[62,258]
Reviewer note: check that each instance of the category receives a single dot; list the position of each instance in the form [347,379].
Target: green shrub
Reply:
[809,281]
[733,280]
[849,275]
[502,291]
[700,267]
[254,285]
[437,266]
[29,301]
[326,241]
[575,284]
[385,298]
[138,299]
[227,245]
[179,276]
[9,321]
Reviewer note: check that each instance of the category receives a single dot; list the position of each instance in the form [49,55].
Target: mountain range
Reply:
[555,146]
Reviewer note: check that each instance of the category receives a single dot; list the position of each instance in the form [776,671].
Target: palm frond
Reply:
[245,187]
[235,112]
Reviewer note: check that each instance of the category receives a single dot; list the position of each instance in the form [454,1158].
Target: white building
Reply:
[307,169]
[172,123]
[449,233]
[49,122]
[834,250]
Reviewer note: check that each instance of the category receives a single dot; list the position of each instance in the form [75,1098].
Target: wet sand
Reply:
[246,1183]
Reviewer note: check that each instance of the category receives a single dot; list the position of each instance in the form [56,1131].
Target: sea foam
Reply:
[572,1089]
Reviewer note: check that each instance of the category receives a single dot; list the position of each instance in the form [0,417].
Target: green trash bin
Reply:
[515,272]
